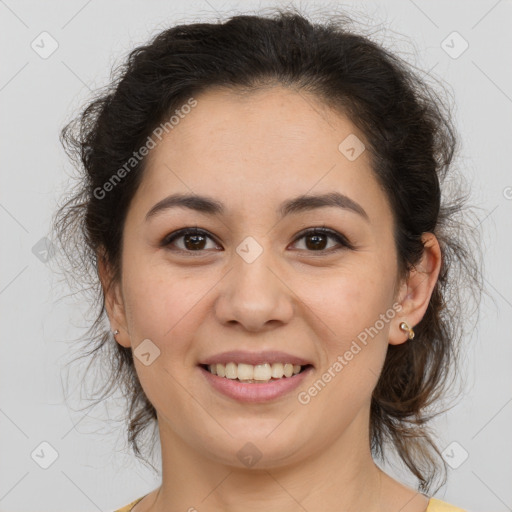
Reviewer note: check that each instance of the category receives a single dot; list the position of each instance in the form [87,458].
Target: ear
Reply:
[114,303]
[415,292]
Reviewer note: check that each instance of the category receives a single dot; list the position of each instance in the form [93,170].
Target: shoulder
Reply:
[128,507]
[441,506]
[433,506]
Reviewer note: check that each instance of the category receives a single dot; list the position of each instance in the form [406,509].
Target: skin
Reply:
[251,152]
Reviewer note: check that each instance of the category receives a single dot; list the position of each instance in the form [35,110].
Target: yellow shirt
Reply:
[433,506]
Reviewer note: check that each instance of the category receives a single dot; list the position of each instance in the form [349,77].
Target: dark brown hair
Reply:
[409,136]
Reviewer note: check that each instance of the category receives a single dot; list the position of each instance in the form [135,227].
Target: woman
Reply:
[261,203]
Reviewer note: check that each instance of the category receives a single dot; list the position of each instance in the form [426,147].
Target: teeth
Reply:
[231,372]
[277,370]
[244,371]
[260,372]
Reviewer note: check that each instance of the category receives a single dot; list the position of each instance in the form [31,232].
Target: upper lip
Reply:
[254,358]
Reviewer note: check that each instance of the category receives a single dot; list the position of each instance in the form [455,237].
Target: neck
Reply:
[340,476]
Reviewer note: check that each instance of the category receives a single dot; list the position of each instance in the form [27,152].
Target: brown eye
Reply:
[316,240]
[196,240]
[193,240]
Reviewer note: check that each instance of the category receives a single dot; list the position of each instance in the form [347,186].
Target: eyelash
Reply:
[338,237]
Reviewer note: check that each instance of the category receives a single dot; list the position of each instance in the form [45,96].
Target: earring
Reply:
[410,331]
[115,333]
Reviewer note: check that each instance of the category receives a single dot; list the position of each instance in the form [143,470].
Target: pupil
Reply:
[196,241]
[315,245]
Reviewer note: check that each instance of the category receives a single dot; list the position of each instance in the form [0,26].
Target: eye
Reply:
[194,239]
[318,237]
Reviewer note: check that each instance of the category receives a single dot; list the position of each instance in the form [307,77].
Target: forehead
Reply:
[269,143]
[273,126]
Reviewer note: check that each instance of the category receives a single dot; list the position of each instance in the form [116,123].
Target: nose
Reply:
[254,295]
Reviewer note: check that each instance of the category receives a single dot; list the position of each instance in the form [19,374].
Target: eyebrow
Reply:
[210,206]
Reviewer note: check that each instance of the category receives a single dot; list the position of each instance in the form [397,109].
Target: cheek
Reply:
[161,305]
[353,315]
[349,302]
[163,309]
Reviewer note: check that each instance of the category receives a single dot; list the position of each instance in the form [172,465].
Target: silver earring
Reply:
[409,330]
[116,332]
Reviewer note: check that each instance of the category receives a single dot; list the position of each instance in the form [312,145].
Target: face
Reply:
[251,279]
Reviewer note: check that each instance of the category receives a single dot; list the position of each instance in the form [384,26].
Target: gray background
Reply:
[39,400]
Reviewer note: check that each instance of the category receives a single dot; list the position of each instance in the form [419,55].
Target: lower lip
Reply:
[255,392]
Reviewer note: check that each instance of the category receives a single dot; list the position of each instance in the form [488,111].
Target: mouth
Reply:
[255,374]
[261,383]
